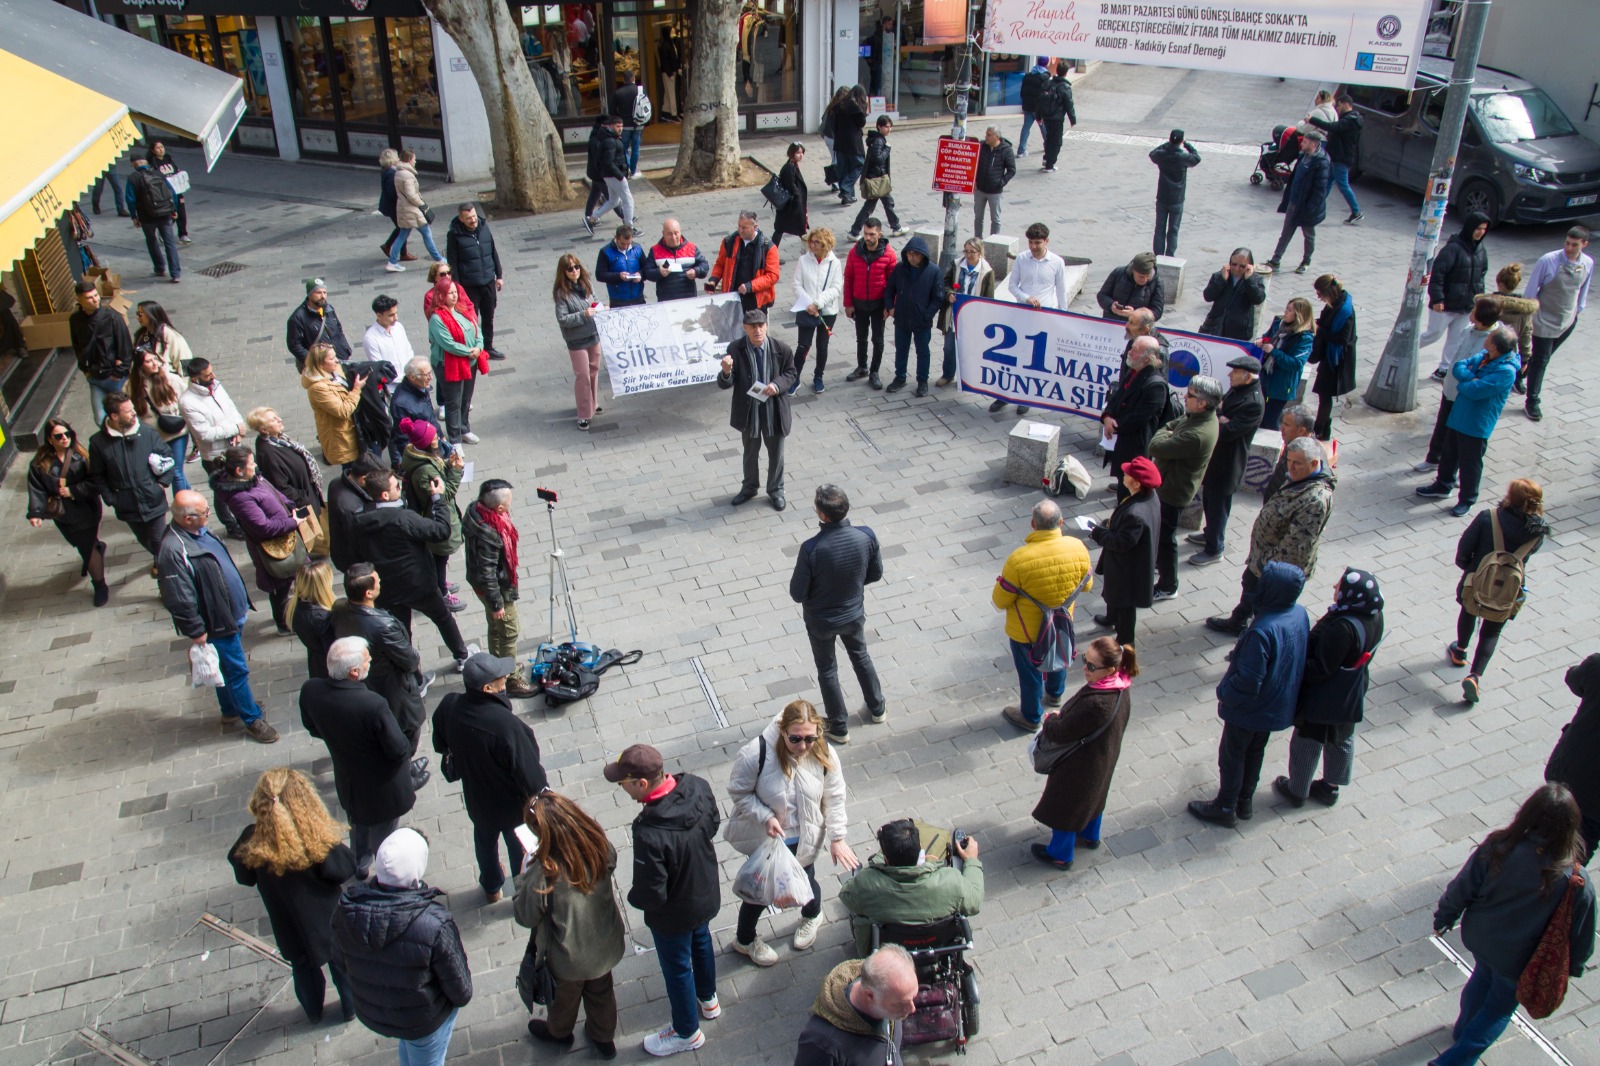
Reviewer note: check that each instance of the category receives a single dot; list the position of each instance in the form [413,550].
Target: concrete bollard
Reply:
[1031,452]
[998,250]
[1265,447]
[1170,269]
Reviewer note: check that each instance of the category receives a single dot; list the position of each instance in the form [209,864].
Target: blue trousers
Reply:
[1035,683]
[903,338]
[180,447]
[161,240]
[1488,1001]
[397,249]
[1027,124]
[689,964]
[99,389]
[1062,844]
[235,698]
[632,139]
[431,1049]
[1341,181]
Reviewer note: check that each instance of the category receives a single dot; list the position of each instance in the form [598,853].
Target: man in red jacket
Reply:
[866,274]
[747,263]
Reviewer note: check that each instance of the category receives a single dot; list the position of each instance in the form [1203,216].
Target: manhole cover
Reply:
[222,269]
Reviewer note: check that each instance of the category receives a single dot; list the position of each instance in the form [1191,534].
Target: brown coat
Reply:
[1076,791]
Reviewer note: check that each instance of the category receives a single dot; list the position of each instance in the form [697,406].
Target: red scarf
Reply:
[508,536]
[442,313]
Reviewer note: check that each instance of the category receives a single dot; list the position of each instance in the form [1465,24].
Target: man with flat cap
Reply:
[760,371]
[676,883]
[314,321]
[494,754]
[1237,421]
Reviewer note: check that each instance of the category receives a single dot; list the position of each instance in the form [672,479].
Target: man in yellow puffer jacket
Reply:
[1048,567]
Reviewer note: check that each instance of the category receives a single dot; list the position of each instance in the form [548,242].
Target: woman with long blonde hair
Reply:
[569,879]
[1285,347]
[787,783]
[294,856]
[309,611]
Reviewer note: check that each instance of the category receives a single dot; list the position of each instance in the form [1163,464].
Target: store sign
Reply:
[1362,42]
[664,345]
[955,167]
[290,8]
[944,21]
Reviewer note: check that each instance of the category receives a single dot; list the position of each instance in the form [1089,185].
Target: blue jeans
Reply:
[179,446]
[431,1049]
[1062,844]
[235,697]
[399,246]
[903,336]
[631,140]
[850,168]
[99,389]
[689,965]
[1488,1001]
[1341,181]
[112,178]
[486,843]
[163,256]
[1027,124]
[1035,683]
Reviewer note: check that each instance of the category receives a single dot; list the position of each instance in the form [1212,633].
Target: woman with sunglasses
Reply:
[59,489]
[1075,793]
[788,784]
[575,308]
[441,281]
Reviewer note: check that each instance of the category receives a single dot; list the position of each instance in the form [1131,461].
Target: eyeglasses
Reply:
[803,741]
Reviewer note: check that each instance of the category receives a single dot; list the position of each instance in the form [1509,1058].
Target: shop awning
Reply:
[61,139]
[159,86]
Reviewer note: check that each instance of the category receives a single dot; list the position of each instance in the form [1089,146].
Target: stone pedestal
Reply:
[1266,310]
[998,250]
[933,238]
[1076,273]
[1171,270]
[1264,450]
[1029,459]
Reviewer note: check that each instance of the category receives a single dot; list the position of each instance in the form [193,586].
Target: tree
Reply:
[530,168]
[708,151]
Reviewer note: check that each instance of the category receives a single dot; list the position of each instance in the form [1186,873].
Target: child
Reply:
[1516,311]
[1486,312]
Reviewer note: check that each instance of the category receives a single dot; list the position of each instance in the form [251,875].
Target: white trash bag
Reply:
[205,666]
[773,877]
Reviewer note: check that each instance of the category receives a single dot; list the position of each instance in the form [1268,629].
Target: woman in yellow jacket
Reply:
[1047,568]
[333,404]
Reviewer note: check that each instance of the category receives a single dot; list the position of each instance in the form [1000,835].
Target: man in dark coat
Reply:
[371,756]
[413,399]
[1256,696]
[495,756]
[1344,148]
[1237,422]
[1132,287]
[855,1019]
[913,297]
[315,321]
[1033,84]
[347,498]
[397,539]
[675,265]
[677,884]
[1575,762]
[491,540]
[1234,293]
[475,264]
[154,207]
[394,666]
[1135,408]
[130,468]
[104,348]
[1128,549]
[997,165]
[402,951]
[1054,107]
[763,418]
[1173,158]
[1305,200]
[1458,276]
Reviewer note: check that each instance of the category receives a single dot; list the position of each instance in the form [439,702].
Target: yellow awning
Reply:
[60,137]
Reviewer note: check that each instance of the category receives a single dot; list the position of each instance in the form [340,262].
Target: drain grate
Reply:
[222,269]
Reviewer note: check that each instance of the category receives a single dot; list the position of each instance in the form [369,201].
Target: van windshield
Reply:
[1527,115]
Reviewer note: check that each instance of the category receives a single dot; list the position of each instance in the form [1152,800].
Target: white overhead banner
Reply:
[1364,42]
[1066,362]
[663,345]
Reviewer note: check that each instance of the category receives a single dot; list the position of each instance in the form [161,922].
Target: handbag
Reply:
[285,555]
[1048,754]
[1543,984]
[876,188]
[55,507]
[170,423]
[776,194]
[535,983]
[830,175]
[427,214]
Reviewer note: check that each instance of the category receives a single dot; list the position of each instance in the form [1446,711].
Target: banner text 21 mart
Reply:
[1066,362]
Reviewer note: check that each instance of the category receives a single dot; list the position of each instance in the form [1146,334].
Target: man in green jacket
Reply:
[897,887]
[1181,449]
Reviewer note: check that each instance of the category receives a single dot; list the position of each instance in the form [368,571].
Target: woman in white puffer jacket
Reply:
[787,783]
[819,287]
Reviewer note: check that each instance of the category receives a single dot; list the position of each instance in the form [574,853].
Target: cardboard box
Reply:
[46,331]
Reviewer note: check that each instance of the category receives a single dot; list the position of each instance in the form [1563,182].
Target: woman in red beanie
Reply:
[1128,562]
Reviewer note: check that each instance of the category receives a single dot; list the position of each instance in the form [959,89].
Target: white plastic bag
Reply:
[773,877]
[205,668]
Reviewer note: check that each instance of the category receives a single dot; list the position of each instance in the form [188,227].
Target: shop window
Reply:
[314,70]
[769,70]
[239,48]
[548,40]
[650,42]
[355,43]
[416,80]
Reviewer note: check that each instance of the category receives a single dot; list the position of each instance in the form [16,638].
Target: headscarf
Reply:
[1358,594]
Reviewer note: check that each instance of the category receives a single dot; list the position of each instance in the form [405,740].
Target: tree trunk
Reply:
[708,153]
[530,170]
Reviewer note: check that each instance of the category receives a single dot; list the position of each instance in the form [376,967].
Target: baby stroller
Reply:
[1276,161]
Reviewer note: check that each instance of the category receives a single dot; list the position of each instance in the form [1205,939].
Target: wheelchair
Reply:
[947,992]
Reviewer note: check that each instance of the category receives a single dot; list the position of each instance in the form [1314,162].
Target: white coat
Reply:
[820,283]
[820,818]
[213,419]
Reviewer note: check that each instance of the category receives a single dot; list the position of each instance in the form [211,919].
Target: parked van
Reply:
[1521,158]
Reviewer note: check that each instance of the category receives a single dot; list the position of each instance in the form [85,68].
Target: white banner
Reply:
[1364,42]
[1066,362]
[663,345]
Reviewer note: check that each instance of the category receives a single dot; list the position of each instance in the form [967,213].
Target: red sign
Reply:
[955,168]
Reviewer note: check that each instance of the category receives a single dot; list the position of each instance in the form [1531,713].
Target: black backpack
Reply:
[153,195]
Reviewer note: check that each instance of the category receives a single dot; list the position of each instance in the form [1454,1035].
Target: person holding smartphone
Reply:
[266,516]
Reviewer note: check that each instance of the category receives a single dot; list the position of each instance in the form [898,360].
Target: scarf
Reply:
[762,418]
[968,279]
[1115,682]
[508,536]
[443,314]
[1358,594]
[300,449]
[1340,318]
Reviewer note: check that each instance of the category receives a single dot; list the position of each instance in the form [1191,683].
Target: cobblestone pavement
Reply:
[1299,938]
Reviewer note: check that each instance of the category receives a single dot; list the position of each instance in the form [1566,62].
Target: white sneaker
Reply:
[1425,467]
[668,1042]
[805,933]
[469,438]
[758,951]
[394,268]
[710,1009]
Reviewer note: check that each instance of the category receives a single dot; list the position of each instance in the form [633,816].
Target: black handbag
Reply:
[170,423]
[830,175]
[535,983]
[427,214]
[776,194]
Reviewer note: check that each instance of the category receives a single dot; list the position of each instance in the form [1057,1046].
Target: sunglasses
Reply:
[574,268]
[1088,664]
[802,741]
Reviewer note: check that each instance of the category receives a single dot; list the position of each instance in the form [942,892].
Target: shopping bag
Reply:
[773,877]
[205,668]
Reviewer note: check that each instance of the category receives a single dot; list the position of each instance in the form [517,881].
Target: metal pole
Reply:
[958,129]
[1394,381]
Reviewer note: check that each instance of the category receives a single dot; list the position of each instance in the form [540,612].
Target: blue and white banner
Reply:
[664,345]
[1062,361]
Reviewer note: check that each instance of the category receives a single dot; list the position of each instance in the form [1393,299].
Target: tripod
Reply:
[560,584]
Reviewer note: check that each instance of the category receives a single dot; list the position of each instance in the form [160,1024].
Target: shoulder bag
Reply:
[876,188]
[1543,984]
[776,193]
[1048,754]
[287,554]
[55,505]
[535,983]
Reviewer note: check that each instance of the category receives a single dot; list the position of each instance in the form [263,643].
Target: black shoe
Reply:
[418,780]
[1280,785]
[1245,808]
[745,496]
[1533,412]
[998,406]
[1042,853]
[606,1049]
[1103,621]
[874,381]
[1305,265]
[896,385]
[1355,216]
[921,389]
[1092,845]
[419,764]
[1021,410]
[588,224]
[102,593]
[1165,594]
[539,1029]
[1324,793]
[1519,387]
[1226,623]
[778,502]
[1272,264]
[496,354]
[1210,811]
[1436,491]
[857,374]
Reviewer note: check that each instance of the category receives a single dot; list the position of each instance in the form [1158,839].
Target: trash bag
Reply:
[205,667]
[773,877]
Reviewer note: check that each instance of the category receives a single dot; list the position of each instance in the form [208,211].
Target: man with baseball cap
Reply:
[676,885]
[1237,421]
[314,321]
[760,371]
[495,756]
[1305,200]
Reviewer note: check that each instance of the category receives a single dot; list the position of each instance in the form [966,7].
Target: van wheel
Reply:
[1479,196]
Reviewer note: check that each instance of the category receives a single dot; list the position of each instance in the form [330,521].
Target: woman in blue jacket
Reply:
[1485,382]
[1284,348]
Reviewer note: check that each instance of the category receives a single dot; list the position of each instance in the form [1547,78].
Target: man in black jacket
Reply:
[397,539]
[1344,148]
[496,758]
[1459,273]
[1053,107]
[475,264]
[1173,158]
[371,757]
[1137,407]
[676,883]
[131,467]
[610,161]
[855,1019]
[394,668]
[347,498]
[205,595]
[997,165]
[675,265]
[1234,293]
[757,359]
[104,348]
[1129,288]
[1237,421]
[402,952]
[155,211]
[315,321]
[829,582]
[491,540]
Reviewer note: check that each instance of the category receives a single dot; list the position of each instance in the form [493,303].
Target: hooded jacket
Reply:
[914,895]
[1460,268]
[119,469]
[1055,101]
[1576,758]
[402,953]
[473,257]
[1483,387]
[102,343]
[1258,691]
[306,327]
[916,295]
[264,514]
[1174,162]
[676,880]
[1344,137]
[1033,83]
[494,751]
[837,1034]
[1305,194]
[1517,312]
[419,468]
[410,209]
[866,271]
[1289,526]
[607,154]
[878,156]
[1182,451]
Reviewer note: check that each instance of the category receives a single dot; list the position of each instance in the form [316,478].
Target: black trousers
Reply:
[1488,640]
[149,531]
[1218,505]
[1289,226]
[1239,758]
[1168,218]
[869,316]
[1053,130]
[866,213]
[433,606]
[1436,442]
[310,988]
[1167,548]
[215,470]
[484,297]
[1464,454]
[1247,598]
[1322,428]
[752,463]
[750,913]
[1124,620]
[825,655]
[803,347]
[1539,361]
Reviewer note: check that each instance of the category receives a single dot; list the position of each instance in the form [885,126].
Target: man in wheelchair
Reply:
[903,886]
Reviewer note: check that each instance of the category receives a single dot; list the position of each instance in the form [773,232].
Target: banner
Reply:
[664,345]
[1363,42]
[1063,361]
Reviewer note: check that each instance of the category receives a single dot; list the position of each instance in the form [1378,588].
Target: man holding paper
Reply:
[674,264]
[759,369]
